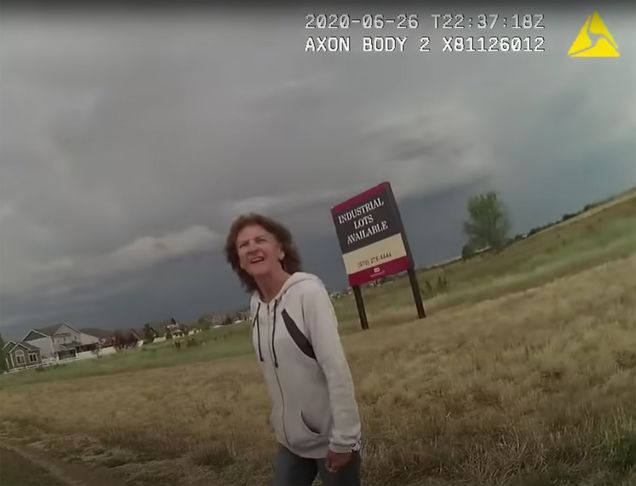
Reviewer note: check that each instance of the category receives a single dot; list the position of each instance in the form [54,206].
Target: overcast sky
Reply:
[128,143]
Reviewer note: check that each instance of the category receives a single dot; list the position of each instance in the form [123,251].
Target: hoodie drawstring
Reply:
[258,331]
[273,334]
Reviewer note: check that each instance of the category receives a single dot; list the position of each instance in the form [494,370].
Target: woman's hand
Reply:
[336,461]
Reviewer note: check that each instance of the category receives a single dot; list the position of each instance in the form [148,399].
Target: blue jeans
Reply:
[293,470]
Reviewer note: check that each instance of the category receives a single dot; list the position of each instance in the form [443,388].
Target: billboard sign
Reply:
[371,235]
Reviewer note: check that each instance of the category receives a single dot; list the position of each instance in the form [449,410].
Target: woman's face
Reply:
[258,250]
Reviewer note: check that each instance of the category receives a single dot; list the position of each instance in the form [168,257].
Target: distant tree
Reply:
[132,339]
[149,335]
[4,366]
[204,322]
[168,334]
[487,223]
[124,339]
[120,340]
[467,251]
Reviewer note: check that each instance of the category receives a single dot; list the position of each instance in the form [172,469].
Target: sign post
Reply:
[364,323]
[373,242]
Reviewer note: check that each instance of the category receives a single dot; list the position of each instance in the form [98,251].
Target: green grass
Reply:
[17,471]
[211,345]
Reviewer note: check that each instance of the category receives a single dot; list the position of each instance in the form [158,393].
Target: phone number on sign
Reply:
[381,258]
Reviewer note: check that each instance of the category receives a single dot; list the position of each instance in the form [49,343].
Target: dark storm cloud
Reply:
[127,145]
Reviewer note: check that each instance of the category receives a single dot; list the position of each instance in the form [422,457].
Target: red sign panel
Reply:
[371,235]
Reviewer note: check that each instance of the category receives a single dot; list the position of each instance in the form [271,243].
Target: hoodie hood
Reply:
[294,279]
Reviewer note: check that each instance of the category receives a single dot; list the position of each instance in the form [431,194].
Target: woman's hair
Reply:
[291,261]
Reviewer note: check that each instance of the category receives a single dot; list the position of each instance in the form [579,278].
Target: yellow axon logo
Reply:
[594,40]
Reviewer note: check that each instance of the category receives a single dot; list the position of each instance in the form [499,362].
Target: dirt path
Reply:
[69,474]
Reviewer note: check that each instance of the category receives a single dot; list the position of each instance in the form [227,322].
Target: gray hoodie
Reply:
[308,379]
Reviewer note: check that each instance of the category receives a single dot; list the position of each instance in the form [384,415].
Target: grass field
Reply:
[524,374]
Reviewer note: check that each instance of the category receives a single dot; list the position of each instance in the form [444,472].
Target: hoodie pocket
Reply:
[312,429]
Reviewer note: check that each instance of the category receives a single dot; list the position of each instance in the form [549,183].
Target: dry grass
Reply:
[15,470]
[534,388]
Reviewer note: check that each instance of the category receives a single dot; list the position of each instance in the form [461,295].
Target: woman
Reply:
[295,337]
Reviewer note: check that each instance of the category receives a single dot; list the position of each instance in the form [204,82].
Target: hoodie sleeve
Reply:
[322,326]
